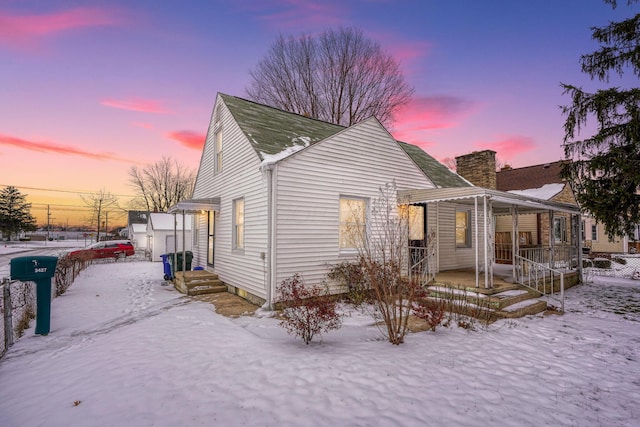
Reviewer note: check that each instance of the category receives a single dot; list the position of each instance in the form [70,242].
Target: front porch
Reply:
[465,254]
[505,299]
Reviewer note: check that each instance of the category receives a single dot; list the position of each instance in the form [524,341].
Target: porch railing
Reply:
[422,264]
[541,278]
[558,257]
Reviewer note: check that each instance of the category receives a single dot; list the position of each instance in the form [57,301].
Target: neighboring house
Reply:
[275,192]
[137,228]
[162,230]
[544,181]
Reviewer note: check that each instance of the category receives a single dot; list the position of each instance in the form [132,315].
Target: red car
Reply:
[107,249]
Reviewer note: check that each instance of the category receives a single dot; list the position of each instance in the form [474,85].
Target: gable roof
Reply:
[272,131]
[529,177]
[439,174]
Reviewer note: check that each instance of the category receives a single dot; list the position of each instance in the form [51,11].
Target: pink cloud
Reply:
[188,139]
[429,113]
[21,31]
[137,104]
[509,146]
[51,147]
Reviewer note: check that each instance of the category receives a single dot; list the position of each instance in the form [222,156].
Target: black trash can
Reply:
[177,261]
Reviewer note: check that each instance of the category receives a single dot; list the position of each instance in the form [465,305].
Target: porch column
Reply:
[476,230]
[184,247]
[486,244]
[515,241]
[551,240]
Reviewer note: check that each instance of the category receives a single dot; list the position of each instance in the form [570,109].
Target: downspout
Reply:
[270,255]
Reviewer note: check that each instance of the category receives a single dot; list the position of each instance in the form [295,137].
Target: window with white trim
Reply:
[594,232]
[238,224]
[352,222]
[463,228]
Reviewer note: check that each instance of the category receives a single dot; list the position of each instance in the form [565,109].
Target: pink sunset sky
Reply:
[91,88]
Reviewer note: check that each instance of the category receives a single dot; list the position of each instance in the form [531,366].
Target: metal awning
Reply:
[196,205]
[501,200]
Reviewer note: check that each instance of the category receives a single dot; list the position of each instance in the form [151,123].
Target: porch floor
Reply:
[466,279]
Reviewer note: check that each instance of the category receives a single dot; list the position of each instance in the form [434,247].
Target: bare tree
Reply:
[338,76]
[161,185]
[100,204]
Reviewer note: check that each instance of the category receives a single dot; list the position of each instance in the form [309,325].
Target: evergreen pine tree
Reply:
[604,169]
[15,213]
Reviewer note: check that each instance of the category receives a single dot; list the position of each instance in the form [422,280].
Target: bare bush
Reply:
[307,310]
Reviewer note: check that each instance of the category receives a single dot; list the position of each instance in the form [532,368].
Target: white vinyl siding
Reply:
[355,162]
[240,177]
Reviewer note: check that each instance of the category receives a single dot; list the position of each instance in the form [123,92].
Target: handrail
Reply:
[420,264]
[537,276]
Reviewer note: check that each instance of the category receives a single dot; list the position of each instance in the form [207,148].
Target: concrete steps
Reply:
[198,282]
[508,301]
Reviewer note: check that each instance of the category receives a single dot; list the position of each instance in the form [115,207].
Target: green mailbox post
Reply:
[38,269]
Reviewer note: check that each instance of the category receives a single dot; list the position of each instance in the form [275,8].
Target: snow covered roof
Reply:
[276,134]
[139,228]
[546,192]
[164,221]
[529,177]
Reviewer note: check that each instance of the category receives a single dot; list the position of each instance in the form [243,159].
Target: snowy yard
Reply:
[126,351]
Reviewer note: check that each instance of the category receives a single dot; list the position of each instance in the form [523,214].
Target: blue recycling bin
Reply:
[38,269]
[166,263]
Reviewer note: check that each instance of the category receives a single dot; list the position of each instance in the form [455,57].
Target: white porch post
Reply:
[184,247]
[551,239]
[486,243]
[515,241]
[579,244]
[475,235]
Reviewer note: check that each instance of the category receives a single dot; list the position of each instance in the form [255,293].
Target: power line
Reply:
[77,192]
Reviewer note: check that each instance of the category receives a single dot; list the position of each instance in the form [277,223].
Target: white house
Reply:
[271,189]
[161,232]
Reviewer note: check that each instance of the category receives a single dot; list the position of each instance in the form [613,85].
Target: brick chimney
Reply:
[479,168]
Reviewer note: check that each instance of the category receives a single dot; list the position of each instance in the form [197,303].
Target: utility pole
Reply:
[48,222]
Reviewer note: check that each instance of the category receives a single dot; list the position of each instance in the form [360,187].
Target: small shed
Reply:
[161,234]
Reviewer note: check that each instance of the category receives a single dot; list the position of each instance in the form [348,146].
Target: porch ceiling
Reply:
[501,201]
[196,205]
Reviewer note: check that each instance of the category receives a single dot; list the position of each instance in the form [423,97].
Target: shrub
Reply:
[307,310]
[351,278]
[601,263]
[430,310]
[619,260]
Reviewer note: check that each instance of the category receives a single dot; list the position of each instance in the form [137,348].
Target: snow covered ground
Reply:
[124,350]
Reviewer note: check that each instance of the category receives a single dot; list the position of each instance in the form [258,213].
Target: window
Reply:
[238,224]
[463,229]
[594,231]
[352,222]
[211,238]
[560,229]
[217,166]
[583,232]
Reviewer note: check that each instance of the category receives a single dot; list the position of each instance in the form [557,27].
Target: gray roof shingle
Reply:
[271,131]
